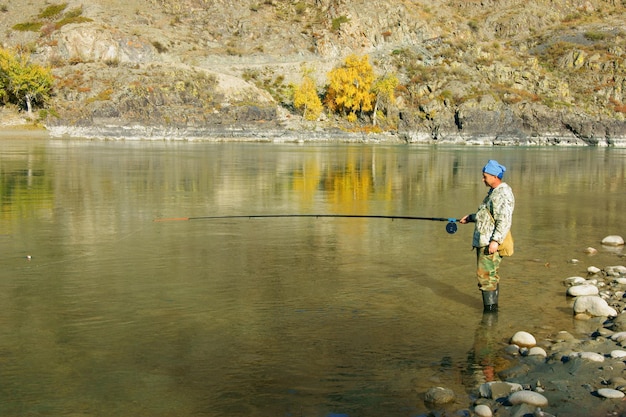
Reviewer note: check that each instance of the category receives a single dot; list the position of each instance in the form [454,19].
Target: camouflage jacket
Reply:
[494,216]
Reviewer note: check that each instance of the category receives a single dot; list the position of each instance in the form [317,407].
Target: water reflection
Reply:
[115,314]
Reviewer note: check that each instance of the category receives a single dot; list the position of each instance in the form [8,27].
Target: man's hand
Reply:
[493,247]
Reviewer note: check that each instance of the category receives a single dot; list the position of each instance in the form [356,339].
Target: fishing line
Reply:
[451,226]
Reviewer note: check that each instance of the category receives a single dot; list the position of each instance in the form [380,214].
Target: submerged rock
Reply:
[439,396]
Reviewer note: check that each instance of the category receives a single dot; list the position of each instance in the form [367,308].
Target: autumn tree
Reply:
[350,85]
[23,83]
[306,99]
[384,89]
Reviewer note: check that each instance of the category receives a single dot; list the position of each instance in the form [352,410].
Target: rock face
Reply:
[545,73]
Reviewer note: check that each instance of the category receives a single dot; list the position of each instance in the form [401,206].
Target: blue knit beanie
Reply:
[494,168]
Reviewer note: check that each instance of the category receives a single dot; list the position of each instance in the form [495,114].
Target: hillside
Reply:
[486,72]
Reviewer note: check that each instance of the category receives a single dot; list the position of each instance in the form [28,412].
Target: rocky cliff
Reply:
[471,71]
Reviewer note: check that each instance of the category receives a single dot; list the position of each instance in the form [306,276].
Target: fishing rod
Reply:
[451,227]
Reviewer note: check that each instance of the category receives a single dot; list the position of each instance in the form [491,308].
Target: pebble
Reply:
[610,393]
[594,270]
[613,240]
[563,336]
[523,339]
[619,336]
[618,353]
[512,350]
[483,411]
[537,351]
[528,397]
[615,271]
[590,356]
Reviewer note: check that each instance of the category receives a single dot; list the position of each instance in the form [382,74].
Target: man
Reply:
[493,222]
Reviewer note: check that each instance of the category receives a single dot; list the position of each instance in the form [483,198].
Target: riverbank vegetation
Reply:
[23,83]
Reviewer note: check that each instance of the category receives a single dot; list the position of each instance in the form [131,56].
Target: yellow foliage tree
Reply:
[306,99]
[384,89]
[23,83]
[349,89]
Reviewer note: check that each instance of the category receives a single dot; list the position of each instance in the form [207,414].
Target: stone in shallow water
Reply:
[610,393]
[613,240]
[439,395]
[483,411]
[590,356]
[568,282]
[563,336]
[619,336]
[594,306]
[615,271]
[512,350]
[618,353]
[498,389]
[528,397]
[524,339]
[537,351]
[585,289]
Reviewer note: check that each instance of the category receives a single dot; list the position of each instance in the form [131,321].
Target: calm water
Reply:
[115,314]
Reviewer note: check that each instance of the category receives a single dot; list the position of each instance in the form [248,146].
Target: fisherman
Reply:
[493,222]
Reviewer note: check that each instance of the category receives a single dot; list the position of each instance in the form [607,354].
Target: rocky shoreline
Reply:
[245,133]
[561,375]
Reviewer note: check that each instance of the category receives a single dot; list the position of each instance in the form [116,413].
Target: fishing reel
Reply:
[451,227]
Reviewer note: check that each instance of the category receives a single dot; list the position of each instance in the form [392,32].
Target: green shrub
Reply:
[70,20]
[300,7]
[28,27]
[52,11]
[337,22]
[594,36]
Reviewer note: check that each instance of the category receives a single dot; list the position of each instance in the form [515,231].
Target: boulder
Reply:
[593,305]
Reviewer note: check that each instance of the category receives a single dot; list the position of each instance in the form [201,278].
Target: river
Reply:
[109,312]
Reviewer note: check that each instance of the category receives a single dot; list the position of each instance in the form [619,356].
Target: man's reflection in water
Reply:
[485,358]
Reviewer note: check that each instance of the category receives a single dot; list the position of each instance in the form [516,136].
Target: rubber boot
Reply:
[490,300]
